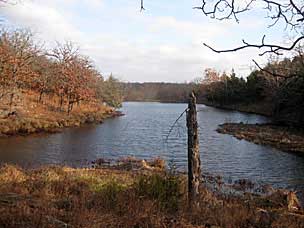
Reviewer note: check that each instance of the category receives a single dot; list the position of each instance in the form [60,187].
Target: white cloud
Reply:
[47,21]
[94,4]
[186,27]
[162,48]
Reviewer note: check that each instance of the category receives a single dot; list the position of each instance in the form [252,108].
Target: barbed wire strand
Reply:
[176,121]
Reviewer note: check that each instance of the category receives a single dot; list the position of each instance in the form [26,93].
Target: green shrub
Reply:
[108,193]
[165,189]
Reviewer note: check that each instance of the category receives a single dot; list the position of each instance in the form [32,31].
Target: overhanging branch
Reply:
[272,48]
[290,12]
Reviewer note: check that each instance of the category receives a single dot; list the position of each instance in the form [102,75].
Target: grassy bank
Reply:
[283,138]
[34,116]
[117,197]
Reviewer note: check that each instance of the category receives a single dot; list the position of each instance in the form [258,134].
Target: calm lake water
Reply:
[142,133]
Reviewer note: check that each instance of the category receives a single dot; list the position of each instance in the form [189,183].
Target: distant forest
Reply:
[276,90]
[153,91]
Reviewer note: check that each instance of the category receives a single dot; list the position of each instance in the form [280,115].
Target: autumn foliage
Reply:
[62,73]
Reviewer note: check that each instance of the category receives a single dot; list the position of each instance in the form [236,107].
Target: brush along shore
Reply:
[31,116]
[283,138]
[117,196]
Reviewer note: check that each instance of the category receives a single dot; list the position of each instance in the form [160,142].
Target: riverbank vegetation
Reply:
[276,89]
[43,90]
[120,197]
[281,137]
[226,90]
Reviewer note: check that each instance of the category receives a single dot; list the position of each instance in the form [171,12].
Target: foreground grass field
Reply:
[123,197]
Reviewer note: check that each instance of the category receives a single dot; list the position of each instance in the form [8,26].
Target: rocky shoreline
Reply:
[283,138]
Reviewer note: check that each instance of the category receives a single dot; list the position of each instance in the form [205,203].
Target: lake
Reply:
[142,133]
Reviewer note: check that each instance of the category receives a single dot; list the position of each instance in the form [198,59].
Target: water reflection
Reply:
[142,133]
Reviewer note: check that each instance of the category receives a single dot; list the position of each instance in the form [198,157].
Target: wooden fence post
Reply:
[194,162]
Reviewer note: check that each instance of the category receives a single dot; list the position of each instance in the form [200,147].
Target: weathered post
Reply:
[194,162]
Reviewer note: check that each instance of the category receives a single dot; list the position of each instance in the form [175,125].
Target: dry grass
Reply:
[67,197]
[281,137]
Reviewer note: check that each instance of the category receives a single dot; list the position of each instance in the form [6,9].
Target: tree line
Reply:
[157,91]
[280,85]
[62,72]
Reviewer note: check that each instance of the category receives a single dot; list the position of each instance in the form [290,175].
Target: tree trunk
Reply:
[11,101]
[194,162]
[40,97]
[70,106]
[61,102]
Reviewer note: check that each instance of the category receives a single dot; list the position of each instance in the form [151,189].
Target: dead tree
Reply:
[194,162]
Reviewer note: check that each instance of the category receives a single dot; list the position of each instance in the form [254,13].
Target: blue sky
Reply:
[163,43]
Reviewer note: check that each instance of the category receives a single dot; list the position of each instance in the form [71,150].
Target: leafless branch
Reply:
[271,48]
[290,12]
[223,6]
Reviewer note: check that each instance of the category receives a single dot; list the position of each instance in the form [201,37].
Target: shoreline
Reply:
[250,109]
[28,115]
[280,137]
[17,126]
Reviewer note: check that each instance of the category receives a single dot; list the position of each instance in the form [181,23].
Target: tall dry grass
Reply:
[66,197]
